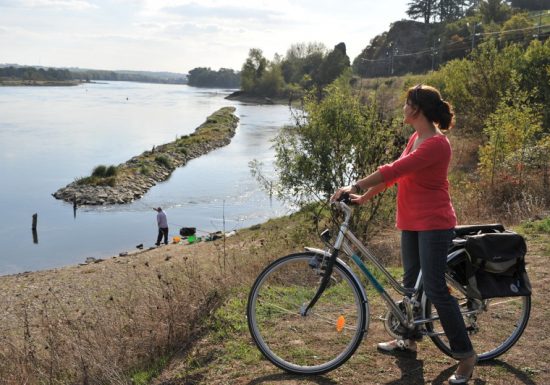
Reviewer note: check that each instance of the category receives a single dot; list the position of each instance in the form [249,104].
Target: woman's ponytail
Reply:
[435,109]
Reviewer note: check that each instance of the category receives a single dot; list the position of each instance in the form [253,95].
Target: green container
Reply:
[191,239]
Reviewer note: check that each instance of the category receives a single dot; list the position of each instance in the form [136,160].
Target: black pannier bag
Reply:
[496,265]
[187,231]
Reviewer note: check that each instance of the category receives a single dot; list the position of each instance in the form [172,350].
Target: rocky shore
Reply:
[136,176]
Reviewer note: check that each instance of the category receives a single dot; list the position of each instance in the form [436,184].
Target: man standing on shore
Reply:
[162,223]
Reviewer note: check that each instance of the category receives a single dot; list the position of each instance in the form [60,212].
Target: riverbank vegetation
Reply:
[40,76]
[206,77]
[36,76]
[447,30]
[501,139]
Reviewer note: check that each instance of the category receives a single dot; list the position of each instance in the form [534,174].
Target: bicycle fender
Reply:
[344,265]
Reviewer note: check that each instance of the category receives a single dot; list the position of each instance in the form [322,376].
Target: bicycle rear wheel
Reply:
[494,326]
[323,339]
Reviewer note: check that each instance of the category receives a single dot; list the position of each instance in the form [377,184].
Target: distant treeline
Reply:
[130,76]
[54,74]
[35,74]
[206,77]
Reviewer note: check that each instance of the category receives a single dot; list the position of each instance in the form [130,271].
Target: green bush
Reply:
[164,161]
[145,170]
[111,171]
[99,171]
[335,141]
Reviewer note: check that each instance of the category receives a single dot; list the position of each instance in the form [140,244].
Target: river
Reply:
[51,135]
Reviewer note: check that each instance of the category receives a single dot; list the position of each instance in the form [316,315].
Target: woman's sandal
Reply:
[458,379]
[397,345]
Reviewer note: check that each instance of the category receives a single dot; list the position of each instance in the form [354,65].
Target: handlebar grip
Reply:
[344,197]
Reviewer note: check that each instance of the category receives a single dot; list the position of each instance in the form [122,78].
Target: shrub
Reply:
[111,171]
[335,141]
[164,161]
[145,170]
[99,171]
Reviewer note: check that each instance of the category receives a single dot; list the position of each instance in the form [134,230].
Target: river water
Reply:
[51,135]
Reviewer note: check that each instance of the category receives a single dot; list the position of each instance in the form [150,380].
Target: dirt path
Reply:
[227,355]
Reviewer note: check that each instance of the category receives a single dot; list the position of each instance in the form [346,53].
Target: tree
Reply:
[450,10]
[205,77]
[531,5]
[333,65]
[512,132]
[422,9]
[494,11]
[474,84]
[517,28]
[253,69]
[302,60]
[271,83]
[335,141]
[535,76]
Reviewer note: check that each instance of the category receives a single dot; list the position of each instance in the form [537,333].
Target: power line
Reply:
[447,47]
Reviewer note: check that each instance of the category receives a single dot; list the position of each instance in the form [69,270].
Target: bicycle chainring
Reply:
[393,326]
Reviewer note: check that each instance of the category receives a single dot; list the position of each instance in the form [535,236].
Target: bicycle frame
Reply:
[350,245]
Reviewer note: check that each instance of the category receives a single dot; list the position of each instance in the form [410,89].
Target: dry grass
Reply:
[103,322]
[227,355]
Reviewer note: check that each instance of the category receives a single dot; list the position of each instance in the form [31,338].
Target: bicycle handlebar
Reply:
[343,203]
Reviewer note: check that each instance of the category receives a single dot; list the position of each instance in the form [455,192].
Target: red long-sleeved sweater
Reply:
[423,200]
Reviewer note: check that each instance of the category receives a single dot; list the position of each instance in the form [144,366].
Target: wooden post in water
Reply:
[34,232]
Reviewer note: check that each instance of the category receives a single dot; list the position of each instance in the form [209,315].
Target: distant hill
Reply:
[416,47]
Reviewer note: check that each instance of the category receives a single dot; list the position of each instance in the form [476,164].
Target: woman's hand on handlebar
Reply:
[358,199]
[355,198]
[336,196]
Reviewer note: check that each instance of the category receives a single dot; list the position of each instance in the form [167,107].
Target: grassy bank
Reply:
[227,355]
[109,322]
[175,315]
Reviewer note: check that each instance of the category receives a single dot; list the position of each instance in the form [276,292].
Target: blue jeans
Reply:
[427,250]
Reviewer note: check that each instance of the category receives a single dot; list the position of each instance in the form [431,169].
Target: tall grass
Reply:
[110,322]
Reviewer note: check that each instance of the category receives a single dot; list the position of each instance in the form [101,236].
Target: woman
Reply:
[425,216]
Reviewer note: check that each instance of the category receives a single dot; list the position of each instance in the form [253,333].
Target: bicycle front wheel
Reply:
[494,325]
[315,343]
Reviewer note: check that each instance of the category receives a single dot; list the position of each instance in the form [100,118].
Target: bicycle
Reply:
[308,312]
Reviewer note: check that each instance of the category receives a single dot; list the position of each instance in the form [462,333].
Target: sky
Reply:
[179,35]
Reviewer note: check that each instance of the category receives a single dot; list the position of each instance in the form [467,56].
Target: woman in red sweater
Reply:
[425,216]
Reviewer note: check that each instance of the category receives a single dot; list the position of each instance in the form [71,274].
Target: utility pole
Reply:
[540,24]
[473,34]
[474,38]
[434,52]
[389,56]
[392,52]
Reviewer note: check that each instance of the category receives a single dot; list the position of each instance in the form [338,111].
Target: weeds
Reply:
[164,161]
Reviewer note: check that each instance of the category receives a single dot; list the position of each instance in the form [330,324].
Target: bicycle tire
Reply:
[493,330]
[323,339]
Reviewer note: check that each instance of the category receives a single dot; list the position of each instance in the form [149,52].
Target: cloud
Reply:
[186,29]
[75,5]
[195,10]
